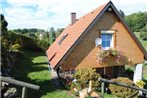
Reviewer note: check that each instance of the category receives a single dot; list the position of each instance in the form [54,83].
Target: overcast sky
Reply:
[44,14]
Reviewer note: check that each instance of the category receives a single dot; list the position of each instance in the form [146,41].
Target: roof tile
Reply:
[56,52]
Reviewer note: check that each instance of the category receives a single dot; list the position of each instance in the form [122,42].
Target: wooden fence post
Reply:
[24,91]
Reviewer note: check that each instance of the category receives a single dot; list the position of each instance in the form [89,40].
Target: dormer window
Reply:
[63,37]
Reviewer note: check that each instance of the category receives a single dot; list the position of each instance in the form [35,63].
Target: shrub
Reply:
[83,76]
[140,84]
[123,91]
[16,47]
[28,43]
[42,44]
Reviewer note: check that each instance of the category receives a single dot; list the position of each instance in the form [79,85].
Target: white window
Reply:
[107,37]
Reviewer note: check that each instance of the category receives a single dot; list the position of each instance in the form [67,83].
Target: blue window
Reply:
[106,40]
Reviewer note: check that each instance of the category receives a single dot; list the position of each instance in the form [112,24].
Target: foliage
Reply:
[143,35]
[3,24]
[28,43]
[16,47]
[59,31]
[144,29]
[25,30]
[52,35]
[104,54]
[4,33]
[123,91]
[42,44]
[143,42]
[10,55]
[83,76]
[140,84]
[137,21]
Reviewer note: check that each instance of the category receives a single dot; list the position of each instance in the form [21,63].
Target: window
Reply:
[61,40]
[107,39]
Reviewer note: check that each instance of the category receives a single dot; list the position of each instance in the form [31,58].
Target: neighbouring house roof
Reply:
[71,35]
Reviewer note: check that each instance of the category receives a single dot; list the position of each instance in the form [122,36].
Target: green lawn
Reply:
[34,69]
[144,43]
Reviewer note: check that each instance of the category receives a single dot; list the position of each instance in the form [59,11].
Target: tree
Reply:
[137,21]
[47,36]
[59,31]
[4,25]
[52,35]
[4,33]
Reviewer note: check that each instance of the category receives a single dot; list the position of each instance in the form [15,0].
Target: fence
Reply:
[24,85]
[119,84]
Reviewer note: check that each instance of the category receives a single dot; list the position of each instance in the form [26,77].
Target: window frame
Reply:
[112,44]
[63,37]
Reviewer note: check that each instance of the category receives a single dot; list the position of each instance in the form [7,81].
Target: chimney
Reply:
[73,18]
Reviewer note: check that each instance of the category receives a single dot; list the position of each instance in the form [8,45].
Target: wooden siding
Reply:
[84,54]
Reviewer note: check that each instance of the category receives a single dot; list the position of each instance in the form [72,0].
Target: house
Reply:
[80,42]
[41,35]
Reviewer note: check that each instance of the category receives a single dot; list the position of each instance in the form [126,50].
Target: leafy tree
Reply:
[137,21]
[4,33]
[52,35]
[59,31]
[47,37]
[24,30]
[3,25]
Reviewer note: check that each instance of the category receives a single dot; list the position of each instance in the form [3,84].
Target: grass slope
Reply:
[144,43]
[34,69]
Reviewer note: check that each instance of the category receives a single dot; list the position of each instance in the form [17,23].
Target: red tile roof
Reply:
[74,31]
[57,52]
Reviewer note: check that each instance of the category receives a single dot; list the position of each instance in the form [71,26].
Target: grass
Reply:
[34,69]
[144,43]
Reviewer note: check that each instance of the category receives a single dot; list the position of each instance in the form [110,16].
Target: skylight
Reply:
[63,37]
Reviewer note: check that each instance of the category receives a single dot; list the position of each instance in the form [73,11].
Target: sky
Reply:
[44,14]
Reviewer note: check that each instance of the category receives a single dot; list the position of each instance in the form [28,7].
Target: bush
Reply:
[16,47]
[123,91]
[42,44]
[140,84]
[28,43]
[83,76]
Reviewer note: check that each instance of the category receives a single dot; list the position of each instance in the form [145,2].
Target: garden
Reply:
[34,69]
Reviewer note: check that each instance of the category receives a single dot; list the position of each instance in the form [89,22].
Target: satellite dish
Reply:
[98,42]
